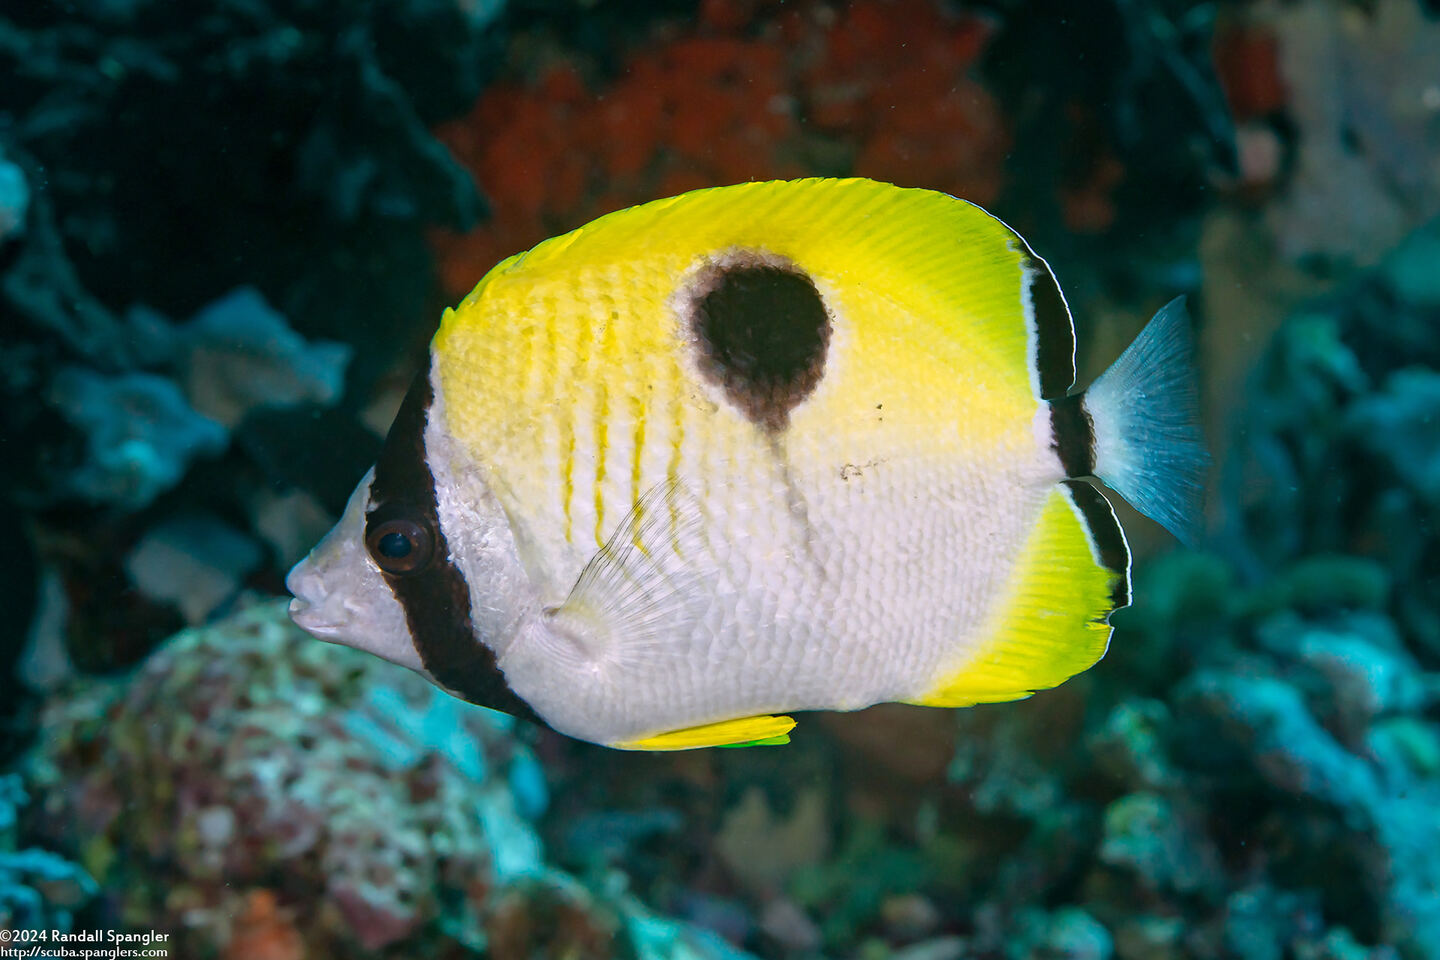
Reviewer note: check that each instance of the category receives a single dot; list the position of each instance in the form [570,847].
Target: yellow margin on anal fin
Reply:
[747,731]
[1073,571]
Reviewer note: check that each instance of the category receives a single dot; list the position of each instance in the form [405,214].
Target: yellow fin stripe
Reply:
[567,476]
[1051,626]
[602,413]
[724,733]
[609,359]
[567,428]
[637,459]
[677,437]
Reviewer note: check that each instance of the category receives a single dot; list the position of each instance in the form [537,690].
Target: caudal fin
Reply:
[1145,414]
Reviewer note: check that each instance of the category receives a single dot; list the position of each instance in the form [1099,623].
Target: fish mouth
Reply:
[310,610]
[307,617]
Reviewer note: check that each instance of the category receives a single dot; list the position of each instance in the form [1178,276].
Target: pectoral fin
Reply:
[644,587]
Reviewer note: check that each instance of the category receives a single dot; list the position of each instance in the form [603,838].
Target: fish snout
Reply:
[314,608]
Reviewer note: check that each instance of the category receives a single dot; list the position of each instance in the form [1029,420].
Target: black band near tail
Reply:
[435,598]
[1054,330]
[1108,538]
[1074,434]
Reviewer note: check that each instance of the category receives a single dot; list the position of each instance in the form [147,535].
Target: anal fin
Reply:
[1072,572]
[745,732]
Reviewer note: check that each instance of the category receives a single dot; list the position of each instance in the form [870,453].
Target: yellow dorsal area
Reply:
[1052,624]
[934,256]
[724,734]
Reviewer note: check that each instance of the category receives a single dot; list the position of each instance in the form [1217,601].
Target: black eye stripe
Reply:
[435,598]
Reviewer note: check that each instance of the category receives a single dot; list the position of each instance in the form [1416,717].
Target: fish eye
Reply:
[400,546]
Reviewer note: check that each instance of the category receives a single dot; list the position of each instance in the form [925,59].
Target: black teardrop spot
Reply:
[762,328]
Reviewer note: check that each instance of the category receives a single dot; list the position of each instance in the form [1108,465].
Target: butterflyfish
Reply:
[755,449]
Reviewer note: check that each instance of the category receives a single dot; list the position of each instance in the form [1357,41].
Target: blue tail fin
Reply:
[1145,412]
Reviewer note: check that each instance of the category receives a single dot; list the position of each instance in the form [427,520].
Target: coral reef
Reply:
[102,441]
[259,794]
[897,90]
[1341,456]
[39,890]
[1250,774]
[879,88]
[266,171]
[323,141]
[180,391]
[1334,105]
[248,771]
[308,281]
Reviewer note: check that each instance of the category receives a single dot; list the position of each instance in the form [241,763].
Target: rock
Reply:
[195,561]
[140,435]
[762,849]
[1163,844]
[940,948]
[239,355]
[1068,933]
[785,923]
[14,199]
[909,916]
[1150,938]
[1130,746]
[39,890]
